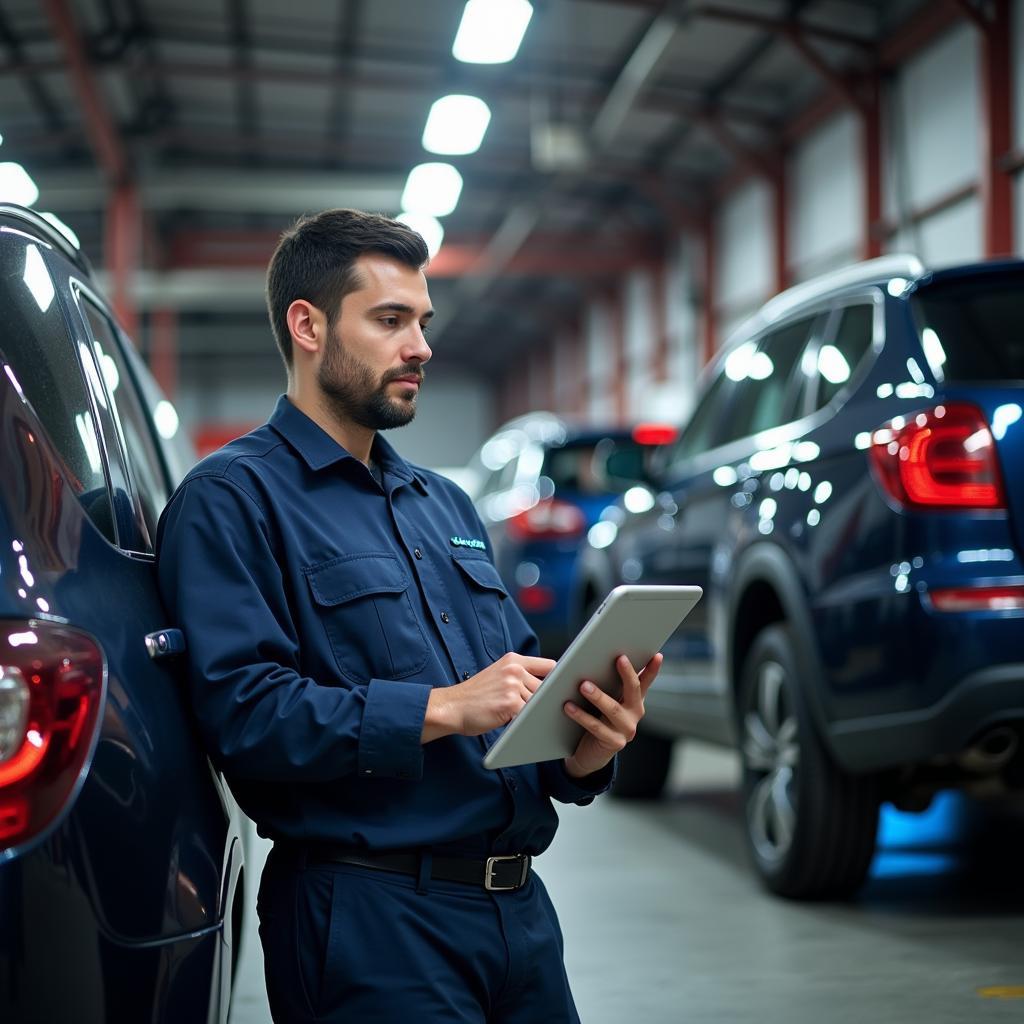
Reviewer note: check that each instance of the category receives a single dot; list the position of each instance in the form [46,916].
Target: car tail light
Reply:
[979,599]
[654,433]
[550,519]
[536,598]
[51,692]
[944,458]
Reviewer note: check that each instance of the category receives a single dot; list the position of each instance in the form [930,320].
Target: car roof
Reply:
[32,222]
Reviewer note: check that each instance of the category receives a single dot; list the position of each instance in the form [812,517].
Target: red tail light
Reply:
[550,519]
[944,458]
[51,692]
[654,433]
[536,598]
[979,599]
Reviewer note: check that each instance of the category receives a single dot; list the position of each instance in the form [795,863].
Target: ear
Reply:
[308,326]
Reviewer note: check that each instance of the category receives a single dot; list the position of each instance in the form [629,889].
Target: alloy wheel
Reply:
[771,754]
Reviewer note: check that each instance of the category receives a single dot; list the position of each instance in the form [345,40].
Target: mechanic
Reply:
[352,654]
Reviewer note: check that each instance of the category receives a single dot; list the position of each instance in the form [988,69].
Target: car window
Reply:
[839,358]
[584,466]
[42,363]
[143,458]
[970,329]
[766,392]
[705,429]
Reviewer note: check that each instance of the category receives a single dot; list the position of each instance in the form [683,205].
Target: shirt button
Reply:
[444,616]
[418,553]
[465,675]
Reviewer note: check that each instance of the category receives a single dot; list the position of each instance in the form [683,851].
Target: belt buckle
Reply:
[489,868]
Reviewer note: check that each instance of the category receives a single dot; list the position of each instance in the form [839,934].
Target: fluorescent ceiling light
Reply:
[432,189]
[62,228]
[456,125]
[491,30]
[16,186]
[430,228]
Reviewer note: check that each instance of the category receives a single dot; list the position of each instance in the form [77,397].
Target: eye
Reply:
[426,328]
[389,321]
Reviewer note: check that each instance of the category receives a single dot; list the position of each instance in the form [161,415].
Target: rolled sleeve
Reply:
[390,740]
[561,786]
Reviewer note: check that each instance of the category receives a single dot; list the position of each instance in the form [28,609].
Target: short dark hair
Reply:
[315,258]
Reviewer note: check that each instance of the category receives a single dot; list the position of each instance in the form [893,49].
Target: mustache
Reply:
[409,370]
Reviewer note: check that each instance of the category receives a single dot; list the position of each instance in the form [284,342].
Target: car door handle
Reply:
[165,643]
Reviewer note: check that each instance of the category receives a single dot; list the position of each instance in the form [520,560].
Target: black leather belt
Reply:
[495,874]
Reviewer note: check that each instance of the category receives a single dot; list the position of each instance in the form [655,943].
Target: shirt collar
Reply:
[320,450]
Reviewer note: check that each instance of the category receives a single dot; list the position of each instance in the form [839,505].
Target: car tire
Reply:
[810,827]
[642,769]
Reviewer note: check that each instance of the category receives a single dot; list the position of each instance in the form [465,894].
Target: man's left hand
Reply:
[606,736]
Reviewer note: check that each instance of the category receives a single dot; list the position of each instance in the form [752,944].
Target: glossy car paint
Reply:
[795,526]
[122,911]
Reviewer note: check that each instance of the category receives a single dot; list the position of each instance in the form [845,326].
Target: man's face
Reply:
[372,365]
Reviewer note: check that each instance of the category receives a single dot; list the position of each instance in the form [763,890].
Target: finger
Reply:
[631,690]
[535,666]
[650,672]
[532,683]
[612,709]
[609,738]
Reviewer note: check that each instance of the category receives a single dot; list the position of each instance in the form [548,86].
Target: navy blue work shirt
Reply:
[319,608]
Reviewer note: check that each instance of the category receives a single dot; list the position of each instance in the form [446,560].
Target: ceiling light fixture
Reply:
[430,228]
[433,189]
[491,30]
[456,125]
[16,186]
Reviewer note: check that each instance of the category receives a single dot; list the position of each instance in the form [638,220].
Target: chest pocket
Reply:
[488,595]
[368,614]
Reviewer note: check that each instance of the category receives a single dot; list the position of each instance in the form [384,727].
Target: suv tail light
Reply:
[549,519]
[979,599]
[943,458]
[654,433]
[51,692]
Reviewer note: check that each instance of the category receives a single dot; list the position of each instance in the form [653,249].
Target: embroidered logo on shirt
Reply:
[463,542]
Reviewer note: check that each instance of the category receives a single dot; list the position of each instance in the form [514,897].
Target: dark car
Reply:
[120,849]
[850,494]
[544,483]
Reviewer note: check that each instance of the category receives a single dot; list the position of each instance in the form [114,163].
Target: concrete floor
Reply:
[665,924]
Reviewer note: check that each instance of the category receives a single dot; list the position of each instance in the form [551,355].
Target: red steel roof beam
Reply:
[997,129]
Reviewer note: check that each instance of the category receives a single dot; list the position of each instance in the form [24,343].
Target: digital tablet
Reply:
[632,620]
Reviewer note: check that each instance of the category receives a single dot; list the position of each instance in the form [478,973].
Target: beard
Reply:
[351,393]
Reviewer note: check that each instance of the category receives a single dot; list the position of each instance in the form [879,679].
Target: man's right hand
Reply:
[488,700]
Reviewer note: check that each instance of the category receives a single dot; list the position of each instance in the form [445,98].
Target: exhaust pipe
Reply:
[991,752]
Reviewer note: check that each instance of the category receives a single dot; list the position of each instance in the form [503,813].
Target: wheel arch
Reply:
[767,590]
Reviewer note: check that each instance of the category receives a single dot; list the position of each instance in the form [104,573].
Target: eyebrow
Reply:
[398,307]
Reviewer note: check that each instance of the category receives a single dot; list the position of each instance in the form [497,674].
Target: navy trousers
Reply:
[349,944]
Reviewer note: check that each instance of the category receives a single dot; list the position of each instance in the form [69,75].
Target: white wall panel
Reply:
[674,399]
[743,248]
[952,236]
[932,144]
[599,349]
[826,198]
[640,330]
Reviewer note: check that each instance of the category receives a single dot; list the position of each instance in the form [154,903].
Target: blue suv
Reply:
[542,484]
[121,853]
[850,494]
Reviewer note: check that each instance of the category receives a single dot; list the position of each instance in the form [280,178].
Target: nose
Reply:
[417,350]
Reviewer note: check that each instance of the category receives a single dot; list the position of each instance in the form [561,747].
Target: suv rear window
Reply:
[587,467]
[973,330]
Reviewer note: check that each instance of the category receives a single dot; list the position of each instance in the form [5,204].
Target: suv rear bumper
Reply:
[985,698]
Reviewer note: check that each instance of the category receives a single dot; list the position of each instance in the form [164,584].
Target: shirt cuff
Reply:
[391,736]
[561,786]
